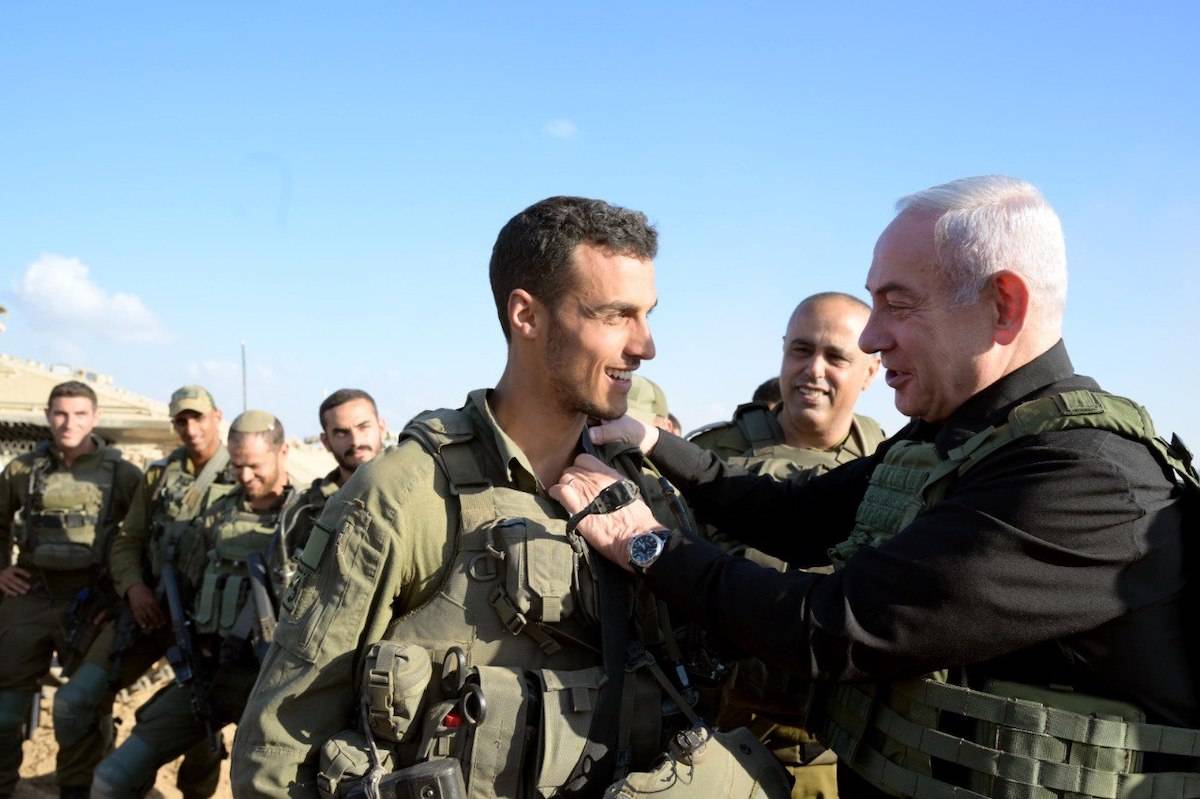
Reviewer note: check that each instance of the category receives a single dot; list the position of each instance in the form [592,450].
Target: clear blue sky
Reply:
[325,181]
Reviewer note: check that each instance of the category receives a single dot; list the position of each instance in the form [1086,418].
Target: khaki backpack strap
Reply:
[198,488]
[758,425]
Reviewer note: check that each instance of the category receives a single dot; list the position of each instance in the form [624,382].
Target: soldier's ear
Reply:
[525,314]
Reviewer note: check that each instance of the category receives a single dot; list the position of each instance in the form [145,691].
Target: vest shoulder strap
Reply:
[449,436]
[758,424]
[1080,409]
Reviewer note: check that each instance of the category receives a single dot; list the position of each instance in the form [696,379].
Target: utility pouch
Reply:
[345,759]
[537,569]
[62,555]
[495,752]
[395,678]
[569,701]
[234,594]
[709,765]
[206,601]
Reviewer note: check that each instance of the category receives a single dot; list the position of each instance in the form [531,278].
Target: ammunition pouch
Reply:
[395,679]
[345,759]
[703,763]
[58,541]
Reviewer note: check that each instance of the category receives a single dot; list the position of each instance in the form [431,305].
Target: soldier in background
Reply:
[353,433]
[768,393]
[175,491]
[814,429]
[821,377]
[217,651]
[72,492]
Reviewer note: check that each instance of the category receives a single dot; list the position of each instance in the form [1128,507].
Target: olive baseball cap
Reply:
[646,400]
[192,398]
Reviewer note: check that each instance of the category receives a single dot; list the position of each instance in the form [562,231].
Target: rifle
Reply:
[182,655]
[35,714]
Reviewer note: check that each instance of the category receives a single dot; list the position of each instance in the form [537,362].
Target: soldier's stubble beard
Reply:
[561,354]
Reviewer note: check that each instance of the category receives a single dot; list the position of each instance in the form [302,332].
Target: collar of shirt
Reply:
[517,467]
[992,405]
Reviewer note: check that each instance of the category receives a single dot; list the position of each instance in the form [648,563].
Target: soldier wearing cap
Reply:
[648,402]
[71,492]
[174,491]
[225,561]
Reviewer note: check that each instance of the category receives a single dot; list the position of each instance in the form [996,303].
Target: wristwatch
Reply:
[644,549]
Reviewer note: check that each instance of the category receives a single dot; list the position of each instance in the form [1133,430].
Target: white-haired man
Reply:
[1022,537]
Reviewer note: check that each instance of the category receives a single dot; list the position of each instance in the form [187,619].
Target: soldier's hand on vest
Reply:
[146,611]
[14,581]
[626,430]
[608,533]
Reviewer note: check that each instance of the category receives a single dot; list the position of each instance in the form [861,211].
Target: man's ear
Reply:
[525,314]
[325,442]
[1010,304]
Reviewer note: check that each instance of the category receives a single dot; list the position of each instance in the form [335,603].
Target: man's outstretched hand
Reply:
[608,533]
[627,430]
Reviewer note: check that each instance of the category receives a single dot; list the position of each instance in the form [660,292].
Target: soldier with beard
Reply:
[216,665]
[353,433]
[445,613]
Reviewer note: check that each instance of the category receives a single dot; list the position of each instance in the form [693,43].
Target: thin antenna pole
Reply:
[244,406]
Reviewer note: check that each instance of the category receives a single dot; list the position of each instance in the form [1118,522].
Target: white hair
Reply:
[989,223]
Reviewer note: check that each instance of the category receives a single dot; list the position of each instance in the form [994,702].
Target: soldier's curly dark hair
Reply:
[533,251]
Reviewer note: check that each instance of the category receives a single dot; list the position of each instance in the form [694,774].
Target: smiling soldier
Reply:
[445,615]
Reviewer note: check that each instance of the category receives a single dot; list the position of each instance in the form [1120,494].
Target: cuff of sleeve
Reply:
[680,573]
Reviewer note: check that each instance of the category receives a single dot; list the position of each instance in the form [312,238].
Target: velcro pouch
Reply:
[569,701]
[538,567]
[233,594]
[206,601]
[498,742]
[344,759]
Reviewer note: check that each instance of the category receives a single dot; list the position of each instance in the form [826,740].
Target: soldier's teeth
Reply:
[620,374]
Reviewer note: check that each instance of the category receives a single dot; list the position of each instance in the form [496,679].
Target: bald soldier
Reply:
[823,372]
[221,560]
[813,429]
[71,492]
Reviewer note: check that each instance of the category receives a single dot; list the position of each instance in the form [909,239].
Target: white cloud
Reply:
[561,129]
[58,293]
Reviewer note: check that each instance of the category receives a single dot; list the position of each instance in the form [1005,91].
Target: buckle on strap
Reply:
[510,617]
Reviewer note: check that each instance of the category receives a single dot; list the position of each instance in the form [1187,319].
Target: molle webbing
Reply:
[914,475]
[1041,751]
[759,426]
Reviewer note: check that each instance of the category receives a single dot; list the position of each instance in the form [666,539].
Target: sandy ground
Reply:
[37,770]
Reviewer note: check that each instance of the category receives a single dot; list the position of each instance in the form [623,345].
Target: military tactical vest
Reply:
[224,584]
[67,512]
[754,440]
[522,610]
[1028,741]
[179,496]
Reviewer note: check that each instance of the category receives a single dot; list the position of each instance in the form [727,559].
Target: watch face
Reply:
[645,548]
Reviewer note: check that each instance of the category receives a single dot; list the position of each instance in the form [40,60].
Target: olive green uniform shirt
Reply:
[394,526]
[14,489]
[130,548]
[771,455]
